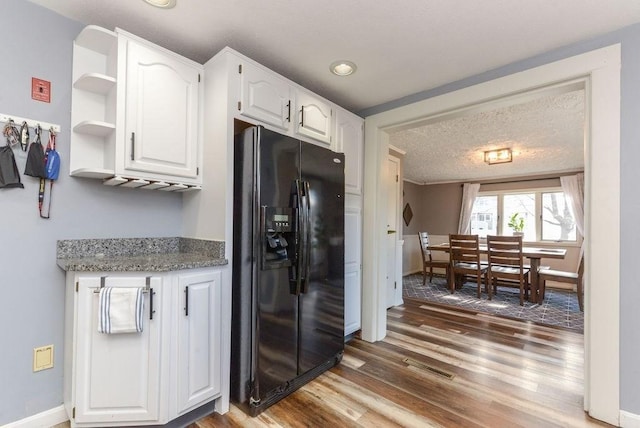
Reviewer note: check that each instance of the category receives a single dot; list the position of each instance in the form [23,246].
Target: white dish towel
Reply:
[120,310]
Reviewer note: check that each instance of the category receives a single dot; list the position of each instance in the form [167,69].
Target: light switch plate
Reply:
[42,358]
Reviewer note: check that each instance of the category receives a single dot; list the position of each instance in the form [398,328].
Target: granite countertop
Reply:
[138,254]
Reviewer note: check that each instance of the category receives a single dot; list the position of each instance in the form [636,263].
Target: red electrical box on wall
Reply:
[40,90]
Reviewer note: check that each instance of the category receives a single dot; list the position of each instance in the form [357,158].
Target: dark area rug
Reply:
[560,308]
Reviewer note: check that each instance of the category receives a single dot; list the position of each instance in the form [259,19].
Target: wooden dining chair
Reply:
[504,254]
[575,278]
[427,260]
[464,258]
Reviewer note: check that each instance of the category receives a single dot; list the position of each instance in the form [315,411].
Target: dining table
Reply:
[534,254]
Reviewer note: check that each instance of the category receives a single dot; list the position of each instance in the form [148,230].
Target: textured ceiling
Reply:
[401,48]
[546,135]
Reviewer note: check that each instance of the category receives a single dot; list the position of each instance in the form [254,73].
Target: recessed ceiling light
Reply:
[165,4]
[343,68]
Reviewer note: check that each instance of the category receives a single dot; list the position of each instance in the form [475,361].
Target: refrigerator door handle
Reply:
[297,281]
[307,239]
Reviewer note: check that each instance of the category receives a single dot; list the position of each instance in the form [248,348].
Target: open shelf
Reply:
[95,82]
[97,39]
[92,173]
[94,127]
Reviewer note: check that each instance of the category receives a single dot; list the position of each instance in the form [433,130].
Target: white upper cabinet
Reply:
[136,113]
[264,96]
[349,139]
[161,119]
[280,104]
[313,117]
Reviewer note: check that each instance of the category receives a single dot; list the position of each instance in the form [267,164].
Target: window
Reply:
[558,222]
[545,215]
[484,217]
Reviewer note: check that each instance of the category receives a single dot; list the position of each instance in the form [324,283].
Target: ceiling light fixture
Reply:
[343,68]
[498,156]
[164,4]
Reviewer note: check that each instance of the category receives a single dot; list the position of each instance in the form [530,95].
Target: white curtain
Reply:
[573,187]
[469,193]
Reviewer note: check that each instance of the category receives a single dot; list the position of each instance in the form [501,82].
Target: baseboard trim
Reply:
[629,420]
[48,418]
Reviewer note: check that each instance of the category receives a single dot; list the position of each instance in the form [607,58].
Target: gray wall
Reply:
[629,178]
[38,43]
[411,196]
[436,208]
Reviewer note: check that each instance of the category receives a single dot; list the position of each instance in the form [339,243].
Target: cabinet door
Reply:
[264,96]
[349,140]
[198,365]
[352,269]
[313,117]
[117,376]
[161,125]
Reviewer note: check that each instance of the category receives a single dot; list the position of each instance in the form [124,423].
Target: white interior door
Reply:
[393,180]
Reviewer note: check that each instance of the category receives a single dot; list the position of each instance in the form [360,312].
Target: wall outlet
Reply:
[42,358]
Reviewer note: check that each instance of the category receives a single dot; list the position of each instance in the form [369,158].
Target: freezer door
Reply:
[264,312]
[277,307]
[322,297]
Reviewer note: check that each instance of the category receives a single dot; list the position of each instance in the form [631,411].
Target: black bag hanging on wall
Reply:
[35,158]
[9,174]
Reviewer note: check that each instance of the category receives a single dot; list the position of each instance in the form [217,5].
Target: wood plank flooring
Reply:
[441,367]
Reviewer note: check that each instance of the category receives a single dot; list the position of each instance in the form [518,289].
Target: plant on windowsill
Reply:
[516,222]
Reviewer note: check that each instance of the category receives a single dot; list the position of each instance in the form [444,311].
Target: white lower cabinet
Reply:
[116,376]
[198,339]
[148,378]
[352,266]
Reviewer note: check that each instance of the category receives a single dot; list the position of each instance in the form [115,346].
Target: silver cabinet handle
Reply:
[186,301]
[133,145]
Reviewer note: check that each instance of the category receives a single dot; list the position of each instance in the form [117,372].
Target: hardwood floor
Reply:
[440,367]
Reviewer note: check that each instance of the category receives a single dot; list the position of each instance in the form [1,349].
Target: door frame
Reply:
[599,70]
[397,293]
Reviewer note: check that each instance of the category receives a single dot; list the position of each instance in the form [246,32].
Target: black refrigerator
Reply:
[288,266]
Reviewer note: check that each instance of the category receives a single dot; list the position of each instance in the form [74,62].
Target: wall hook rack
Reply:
[32,123]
